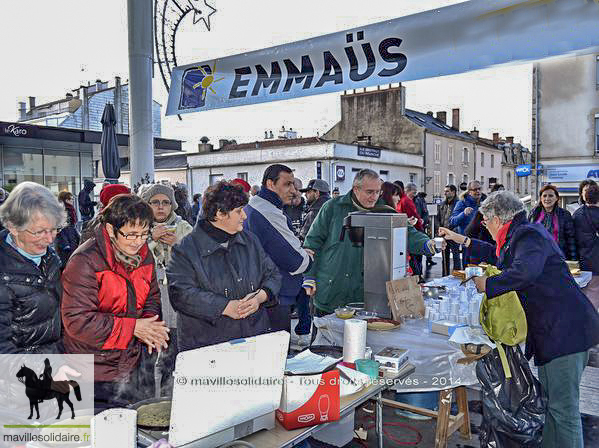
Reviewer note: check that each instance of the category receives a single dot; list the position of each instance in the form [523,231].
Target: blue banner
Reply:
[523,170]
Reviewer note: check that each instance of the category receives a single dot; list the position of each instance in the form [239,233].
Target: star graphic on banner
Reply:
[202,14]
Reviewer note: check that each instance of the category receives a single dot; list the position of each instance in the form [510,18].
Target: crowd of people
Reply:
[151,274]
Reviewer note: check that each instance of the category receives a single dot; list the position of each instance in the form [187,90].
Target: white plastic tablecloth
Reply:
[582,280]
[434,357]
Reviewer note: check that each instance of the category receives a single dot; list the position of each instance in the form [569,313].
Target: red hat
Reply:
[243,184]
[111,190]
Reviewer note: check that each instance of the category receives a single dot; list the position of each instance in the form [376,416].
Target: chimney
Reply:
[204,146]
[69,96]
[442,116]
[430,112]
[271,135]
[455,119]
[265,135]
[22,111]
[510,140]
[402,99]
[31,102]
[495,138]
[98,84]
[474,133]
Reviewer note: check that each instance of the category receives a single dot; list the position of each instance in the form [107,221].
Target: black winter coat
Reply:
[29,302]
[561,319]
[86,205]
[66,242]
[203,276]
[586,223]
[566,235]
[312,213]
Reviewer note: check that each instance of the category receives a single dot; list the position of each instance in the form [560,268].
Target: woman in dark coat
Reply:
[586,223]
[220,279]
[30,271]
[556,220]
[562,323]
[68,238]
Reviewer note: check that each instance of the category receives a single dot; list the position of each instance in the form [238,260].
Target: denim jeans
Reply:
[560,379]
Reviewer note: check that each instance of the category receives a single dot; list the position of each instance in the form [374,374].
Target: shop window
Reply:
[20,166]
[61,171]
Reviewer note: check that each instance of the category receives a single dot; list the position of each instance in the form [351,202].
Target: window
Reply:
[243,176]
[214,178]
[508,181]
[437,183]
[482,158]
[20,166]
[384,175]
[465,178]
[482,181]
[450,179]
[465,156]
[413,178]
[596,133]
[597,72]
[437,152]
[492,160]
[450,154]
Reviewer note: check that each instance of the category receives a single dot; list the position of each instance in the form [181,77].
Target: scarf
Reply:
[160,250]
[218,235]
[37,259]
[550,222]
[502,237]
[131,262]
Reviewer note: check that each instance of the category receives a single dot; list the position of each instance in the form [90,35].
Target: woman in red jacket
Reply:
[111,301]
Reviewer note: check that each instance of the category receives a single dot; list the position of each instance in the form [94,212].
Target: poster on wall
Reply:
[439,42]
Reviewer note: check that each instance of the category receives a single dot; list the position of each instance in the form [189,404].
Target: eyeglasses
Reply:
[134,236]
[43,233]
[157,203]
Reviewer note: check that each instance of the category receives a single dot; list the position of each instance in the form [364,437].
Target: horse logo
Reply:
[44,388]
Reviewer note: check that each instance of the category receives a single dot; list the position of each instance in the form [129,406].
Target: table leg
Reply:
[462,399]
[379,419]
[443,418]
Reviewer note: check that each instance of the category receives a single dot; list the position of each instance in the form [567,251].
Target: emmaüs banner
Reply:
[455,39]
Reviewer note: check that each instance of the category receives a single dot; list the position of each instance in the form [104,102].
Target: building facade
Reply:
[310,158]
[565,121]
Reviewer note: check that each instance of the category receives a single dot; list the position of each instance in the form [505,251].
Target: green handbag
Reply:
[503,320]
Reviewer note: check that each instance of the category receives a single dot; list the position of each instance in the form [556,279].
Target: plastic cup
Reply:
[369,367]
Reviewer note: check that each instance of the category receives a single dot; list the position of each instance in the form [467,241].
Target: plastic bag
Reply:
[513,409]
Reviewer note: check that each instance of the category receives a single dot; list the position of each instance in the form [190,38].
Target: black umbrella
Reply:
[111,163]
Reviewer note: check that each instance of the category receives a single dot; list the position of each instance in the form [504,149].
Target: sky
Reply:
[51,47]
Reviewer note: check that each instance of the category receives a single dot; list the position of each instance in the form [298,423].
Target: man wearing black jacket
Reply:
[317,193]
[86,205]
[445,211]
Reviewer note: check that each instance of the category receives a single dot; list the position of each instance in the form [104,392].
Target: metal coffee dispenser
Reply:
[384,237]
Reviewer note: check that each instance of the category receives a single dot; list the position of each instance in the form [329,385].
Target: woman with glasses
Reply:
[220,279]
[30,271]
[168,230]
[111,301]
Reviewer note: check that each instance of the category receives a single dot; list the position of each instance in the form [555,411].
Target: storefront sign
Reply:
[17,130]
[522,171]
[571,173]
[369,152]
[340,173]
[463,37]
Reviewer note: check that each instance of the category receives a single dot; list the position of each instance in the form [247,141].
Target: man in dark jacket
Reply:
[445,211]
[586,223]
[465,211]
[86,205]
[317,193]
[296,209]
[562,323]
[265,218]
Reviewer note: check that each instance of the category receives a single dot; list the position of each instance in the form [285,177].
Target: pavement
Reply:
[422,433]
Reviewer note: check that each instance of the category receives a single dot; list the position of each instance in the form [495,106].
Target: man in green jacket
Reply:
[336,277]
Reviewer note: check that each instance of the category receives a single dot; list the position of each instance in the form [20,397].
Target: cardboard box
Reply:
[309,400]
[405,297]
[445,327]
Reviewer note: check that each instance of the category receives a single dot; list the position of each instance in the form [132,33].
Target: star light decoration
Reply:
[202,14]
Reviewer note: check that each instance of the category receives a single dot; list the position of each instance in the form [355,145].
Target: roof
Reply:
[169,162]
[274,143]
[437,126]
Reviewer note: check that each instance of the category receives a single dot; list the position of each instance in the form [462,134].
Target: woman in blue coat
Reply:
[562,323]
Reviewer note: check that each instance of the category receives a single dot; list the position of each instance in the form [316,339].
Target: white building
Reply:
[310,158]
[565,122]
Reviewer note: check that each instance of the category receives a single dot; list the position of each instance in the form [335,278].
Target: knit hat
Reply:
[155,189]
[243,184]
[111,190]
